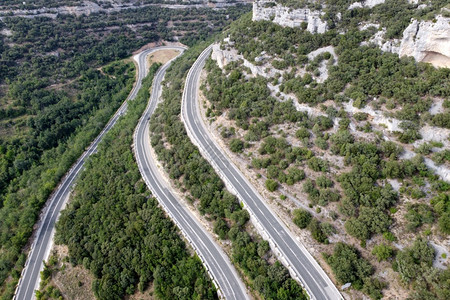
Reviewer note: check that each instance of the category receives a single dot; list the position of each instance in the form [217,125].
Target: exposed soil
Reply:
[161,56]
[73,282]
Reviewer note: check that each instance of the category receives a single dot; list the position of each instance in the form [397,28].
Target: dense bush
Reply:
[418,214]
[414,260]
[383,252]
[236,145]
[271,185]
[128,242]
[57,91]
[302,218]
[348,265]
[441,204]
[191,171]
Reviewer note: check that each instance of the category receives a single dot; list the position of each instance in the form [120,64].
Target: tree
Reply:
[382,252]
[302,133]
[317,164]
[277,273]
[263,248]
[221,229]
[348,265]
[240,217]
[302,217]
[324,182]
[236,145]
[370,221]
[271,185]
[316,231]
[414,260]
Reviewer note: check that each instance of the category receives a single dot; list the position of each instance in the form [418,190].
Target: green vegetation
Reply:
[191,171]
[441,205]
[302,218]
[22,199]
[418,214]
[128,242]
[60,81]
[343,155]
[319,231]
[271,185]
[47,290]
[349,266]
[236,145]
[441,157]
[362,73]
[383,252]
[395,15]
[411,261]
[50,95]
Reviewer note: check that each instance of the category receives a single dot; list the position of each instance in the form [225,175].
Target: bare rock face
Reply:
[385,46]
[428,41]
[365,3]
[271,11]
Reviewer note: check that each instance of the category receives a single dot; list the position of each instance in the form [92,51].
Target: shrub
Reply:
[382,252]
[302,218]
[271,185]
[236,145]
[302,133]
[348,265]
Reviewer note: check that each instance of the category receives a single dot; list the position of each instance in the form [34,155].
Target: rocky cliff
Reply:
[365,3]
[428,41]
[285,16]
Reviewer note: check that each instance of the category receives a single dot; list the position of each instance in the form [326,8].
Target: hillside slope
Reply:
[347,141]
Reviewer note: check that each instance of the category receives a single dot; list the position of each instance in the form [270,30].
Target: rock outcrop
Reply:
[271,11]
[384,45]
[366,3]
[225,56]
[428,41]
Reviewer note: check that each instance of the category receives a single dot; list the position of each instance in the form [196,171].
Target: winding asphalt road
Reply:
[298,260]
[43,240]
[217,263]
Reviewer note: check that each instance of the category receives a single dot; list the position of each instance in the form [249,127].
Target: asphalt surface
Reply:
[294,255]
[43,240]
[217,263]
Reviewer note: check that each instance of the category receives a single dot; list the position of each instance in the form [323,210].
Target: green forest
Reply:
[371,204]
[60,81]
[128,241]
[191,172]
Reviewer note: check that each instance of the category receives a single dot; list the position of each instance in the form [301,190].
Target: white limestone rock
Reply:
[385,46]
[271,11]
[428,41]
[365,26]
[223,57]
[366,3]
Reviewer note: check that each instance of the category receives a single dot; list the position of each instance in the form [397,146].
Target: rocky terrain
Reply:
[290,75]
[428,41]
[89,7]
[285,16]
[366,3]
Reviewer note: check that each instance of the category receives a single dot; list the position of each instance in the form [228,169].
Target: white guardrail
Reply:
[160,201]
[205,153]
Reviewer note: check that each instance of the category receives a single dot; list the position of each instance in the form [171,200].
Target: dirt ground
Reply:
[156,44]
[161,56]
[73,282]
